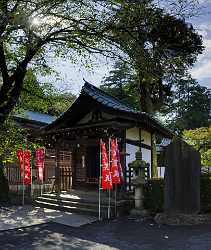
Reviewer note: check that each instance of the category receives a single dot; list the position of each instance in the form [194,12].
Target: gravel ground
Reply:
[122,233]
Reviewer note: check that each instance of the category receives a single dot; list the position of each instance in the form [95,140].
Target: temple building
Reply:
[95,116]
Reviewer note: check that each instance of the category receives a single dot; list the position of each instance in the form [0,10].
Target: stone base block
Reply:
[139,213]
[182,219]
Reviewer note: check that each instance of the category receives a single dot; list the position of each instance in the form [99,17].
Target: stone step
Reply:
[67,208]
[82,199]
[69,202]
[81,203]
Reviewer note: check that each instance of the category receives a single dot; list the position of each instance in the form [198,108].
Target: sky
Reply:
[71,76]
[202,69]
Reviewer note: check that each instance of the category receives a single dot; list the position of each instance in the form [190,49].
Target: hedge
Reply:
[154,194]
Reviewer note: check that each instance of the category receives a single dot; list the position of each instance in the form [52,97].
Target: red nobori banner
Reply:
[24,157]
[40,159]
[115,174]
[106,173]
[119,164]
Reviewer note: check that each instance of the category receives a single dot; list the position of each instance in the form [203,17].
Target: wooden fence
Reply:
[12,170]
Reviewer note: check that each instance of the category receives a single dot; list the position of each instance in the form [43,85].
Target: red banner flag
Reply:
[106,173]
[40,158]
[24,157]
[119,164]
[114,163]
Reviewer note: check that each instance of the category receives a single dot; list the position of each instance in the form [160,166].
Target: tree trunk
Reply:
[10,96]
[147,106]
[154,158]
[145,97]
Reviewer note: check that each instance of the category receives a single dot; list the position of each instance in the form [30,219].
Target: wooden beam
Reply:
[138,143]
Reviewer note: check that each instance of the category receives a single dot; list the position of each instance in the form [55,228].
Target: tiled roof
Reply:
[112,102]
[106,99]
[37,117]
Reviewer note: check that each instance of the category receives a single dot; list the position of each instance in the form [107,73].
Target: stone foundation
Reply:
[182,219]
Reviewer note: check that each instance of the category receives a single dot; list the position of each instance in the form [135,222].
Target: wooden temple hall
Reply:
[93,116]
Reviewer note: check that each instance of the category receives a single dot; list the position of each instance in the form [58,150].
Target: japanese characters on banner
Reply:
[119,164]
[40,157]
[106,173]
[111,171]
[115,175]
[24,157]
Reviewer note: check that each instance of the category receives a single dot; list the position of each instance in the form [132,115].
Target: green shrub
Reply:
[205,193]
[154,194]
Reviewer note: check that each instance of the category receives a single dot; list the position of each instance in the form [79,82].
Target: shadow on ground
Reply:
[19,216]
[117,234]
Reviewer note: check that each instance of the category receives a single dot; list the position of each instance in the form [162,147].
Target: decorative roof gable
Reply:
[106,99]
[92,98]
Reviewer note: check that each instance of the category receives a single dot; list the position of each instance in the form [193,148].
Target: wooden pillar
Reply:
[154,168]
[57,172]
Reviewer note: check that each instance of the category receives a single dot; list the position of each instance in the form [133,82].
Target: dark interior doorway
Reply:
[93,163]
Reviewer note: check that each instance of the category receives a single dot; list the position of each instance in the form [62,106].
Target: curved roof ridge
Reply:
[106,99]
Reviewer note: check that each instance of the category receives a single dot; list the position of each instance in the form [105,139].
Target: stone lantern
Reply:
[138,182]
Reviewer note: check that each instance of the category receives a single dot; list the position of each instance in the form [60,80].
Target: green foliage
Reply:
[31,31]
[154,195]
[43,97]
[120,84]
[35,97]
[200,138]
[13,137]
[205,193]
[189,106]
[160,47]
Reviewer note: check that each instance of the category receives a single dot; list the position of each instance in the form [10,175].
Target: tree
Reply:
[189,107]
[13,137]
[34,97]
[120,83]
[42,97]
[29,30]
[156,42]
[200,138]
[160,47]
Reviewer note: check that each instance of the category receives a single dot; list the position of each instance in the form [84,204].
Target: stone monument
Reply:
[182,183]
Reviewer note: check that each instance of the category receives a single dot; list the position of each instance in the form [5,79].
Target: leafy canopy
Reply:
[43,97]
[35,96]
[160,47]
[13,137]
[200,138]
[31,30]
[189,106]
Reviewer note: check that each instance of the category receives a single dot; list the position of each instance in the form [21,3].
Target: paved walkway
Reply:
[121,234]
[18,216]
